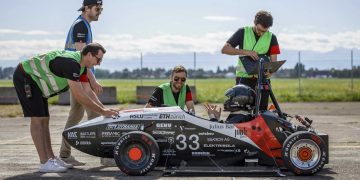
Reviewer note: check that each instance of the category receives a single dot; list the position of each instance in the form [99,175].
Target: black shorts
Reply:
[36,105]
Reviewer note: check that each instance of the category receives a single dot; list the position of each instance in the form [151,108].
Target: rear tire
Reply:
[304,153]
[136,153]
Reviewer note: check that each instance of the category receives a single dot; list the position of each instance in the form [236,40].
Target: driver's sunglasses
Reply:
[177,79]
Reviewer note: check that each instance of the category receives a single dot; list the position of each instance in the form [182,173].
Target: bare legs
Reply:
[40,134]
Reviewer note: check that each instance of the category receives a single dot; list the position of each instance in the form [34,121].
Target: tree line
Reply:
[159,73]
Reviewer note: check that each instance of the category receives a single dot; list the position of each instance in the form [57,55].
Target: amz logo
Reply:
[72,135]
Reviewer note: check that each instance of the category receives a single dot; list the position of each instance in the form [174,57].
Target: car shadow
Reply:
[101,172]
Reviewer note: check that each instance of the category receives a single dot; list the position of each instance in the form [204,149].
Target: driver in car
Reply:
[240,103]
[174,93]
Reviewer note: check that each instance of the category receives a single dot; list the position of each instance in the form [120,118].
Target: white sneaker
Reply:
[62,163]
[51,167]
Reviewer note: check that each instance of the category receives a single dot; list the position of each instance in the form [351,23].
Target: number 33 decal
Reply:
[193,142]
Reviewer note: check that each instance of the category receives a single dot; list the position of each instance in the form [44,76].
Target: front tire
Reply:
[304,153]
[136,153]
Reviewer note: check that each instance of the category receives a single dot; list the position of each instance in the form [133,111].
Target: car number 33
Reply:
[183,142]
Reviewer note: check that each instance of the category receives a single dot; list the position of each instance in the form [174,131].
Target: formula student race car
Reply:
[141,139]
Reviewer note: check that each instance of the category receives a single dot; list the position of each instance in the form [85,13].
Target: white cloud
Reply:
[129,46]
[220,18]
[125,46]
[16,49]
[33,32]
[319,42]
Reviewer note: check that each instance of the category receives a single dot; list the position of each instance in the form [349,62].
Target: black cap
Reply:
[90,2]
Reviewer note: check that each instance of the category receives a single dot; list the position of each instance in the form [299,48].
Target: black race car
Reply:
[141,139]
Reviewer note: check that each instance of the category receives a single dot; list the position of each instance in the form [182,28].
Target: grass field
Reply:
[212,90]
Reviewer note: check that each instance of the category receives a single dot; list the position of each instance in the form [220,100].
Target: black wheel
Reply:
[136,153]
[304,153]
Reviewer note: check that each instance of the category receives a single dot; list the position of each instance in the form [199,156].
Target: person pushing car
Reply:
[46,75]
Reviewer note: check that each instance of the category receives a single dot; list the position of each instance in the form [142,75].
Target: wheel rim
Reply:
[305,154]
[135,155]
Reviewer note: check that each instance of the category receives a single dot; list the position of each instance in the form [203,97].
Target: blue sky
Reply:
[167,29]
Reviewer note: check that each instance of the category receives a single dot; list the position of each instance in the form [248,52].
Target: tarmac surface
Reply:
[341,121]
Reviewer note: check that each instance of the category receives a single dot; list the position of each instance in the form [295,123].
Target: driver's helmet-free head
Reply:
[241,97]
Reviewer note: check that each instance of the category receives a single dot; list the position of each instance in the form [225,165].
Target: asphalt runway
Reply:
[19,159]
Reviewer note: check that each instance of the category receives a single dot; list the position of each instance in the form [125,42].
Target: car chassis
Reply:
[186,145]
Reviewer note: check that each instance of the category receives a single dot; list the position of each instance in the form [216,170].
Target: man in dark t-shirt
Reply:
[46,75]
[174,93]
[253,41]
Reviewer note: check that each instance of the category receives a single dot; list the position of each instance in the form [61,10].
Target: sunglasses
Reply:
[178,78]
[98,59]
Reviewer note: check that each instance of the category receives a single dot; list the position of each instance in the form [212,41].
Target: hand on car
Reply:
[110,112]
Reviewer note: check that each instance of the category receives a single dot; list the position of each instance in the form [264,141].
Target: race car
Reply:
[260,141]
[141,139]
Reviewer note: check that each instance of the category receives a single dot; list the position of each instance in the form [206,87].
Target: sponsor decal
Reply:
[136,116]
[229,126]
[168,152]
[111,134]
[169,140]
[250,153]
[182,128]
[163,132]
[151,116]
[219,145]
[83,143]
[229,150]
[164,116]
[201,154]
[172,116]
[129,127]
[108,143]
[89,135]
[217,126]
[72,135]
[206,134]
[217,139]
[221,126]
[163,125]
[240,132]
